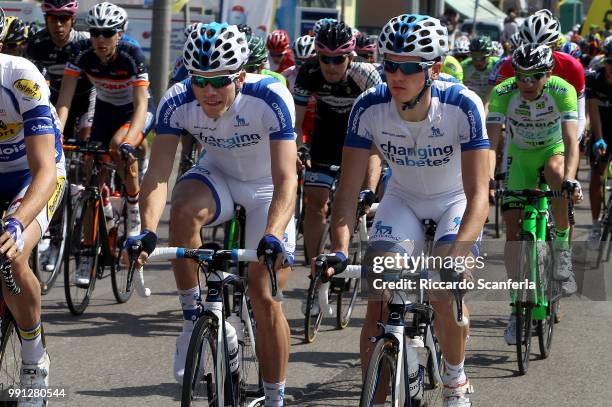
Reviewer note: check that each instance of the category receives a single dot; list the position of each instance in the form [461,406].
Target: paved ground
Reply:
[121,355]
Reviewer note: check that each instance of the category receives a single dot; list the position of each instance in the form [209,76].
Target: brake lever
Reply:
[276,294]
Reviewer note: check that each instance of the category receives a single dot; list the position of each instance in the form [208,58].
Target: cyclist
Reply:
[245,124]
[258,56]
[477,67]
[599,102]
[335,81]
[451,66]
[32,178]
[15,37]
[365,47]
[540,112]
[50,49]
[277,44]
[433,137]
[123,113]
[461,49]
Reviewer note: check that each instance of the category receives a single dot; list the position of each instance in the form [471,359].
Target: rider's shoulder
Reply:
[375,95]
[506,87]
[558,85]
[263,86]
[452,93]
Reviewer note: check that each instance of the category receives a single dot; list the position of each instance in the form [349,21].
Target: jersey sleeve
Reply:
[170,110]
[499,100]
[301,89]
[279,119]
[140,75]
[359,132]
[565,98]
[31,96]
[472,130]
[74,65]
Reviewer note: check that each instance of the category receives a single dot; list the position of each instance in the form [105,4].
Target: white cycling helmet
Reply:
[414,35]
[106,15]
[462,46]
[189,29]
[303,47]
[215,47]
[497,49]
[2,23]
[515,40]
[540,28]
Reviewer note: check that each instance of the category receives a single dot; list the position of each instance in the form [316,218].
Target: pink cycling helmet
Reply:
[60,6]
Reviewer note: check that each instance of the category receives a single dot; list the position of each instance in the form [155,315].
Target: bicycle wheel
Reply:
[201,378]
[381,372]
[347,296]
[552,289]
[603,242]
[497,215]
[10,355]
[79,295]
[523,304]
[46,264]
[312,323]
[432,388]
[251,383]
[119,272]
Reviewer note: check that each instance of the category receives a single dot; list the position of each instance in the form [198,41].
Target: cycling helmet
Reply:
[106,15]
[2,23]
[215,47]
[515,40]
[462,46]
[335,38]
[364,44]
[60,6]
[541,28]
[16,32]
[243,28]
[257,51]
[533,57]
[414,35]
[303,47]
[189,29]
[319,23]
[481,45]
[278,41]
[572,49]
[497,49]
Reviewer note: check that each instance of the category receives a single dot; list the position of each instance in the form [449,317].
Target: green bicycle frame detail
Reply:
[232,242]
[534,224]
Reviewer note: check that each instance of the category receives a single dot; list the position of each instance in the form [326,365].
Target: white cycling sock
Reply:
[32,349]
[189,305]
[453,374]
[275,394]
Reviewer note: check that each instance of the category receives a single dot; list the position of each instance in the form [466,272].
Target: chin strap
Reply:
[412,103]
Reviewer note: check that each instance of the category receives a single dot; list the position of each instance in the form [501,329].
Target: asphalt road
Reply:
[122,355]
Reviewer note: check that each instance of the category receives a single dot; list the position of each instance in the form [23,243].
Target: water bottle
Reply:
[416,369]
[108,213]
[238,326]
[75,192]
[232,349]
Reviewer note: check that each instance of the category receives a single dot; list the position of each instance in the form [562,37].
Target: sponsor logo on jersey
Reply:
[383,231]
[7,152]
[39,128]
[9,130]
[241,121]
[28,88]
[356,117]
[540,105]
[280,115]
[455,225]
[429,156]
[435,132]
[386,133]
[237,141]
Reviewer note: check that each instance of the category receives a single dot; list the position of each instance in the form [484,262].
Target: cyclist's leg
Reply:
[554,172]
[317,183]
[596,184]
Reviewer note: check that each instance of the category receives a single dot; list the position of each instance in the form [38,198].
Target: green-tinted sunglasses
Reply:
[216,82]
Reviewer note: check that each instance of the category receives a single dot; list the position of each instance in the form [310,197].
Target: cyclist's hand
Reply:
[599,147]
[336,262]
[368,198]
[129,151]
[574,188]
[11,241]
[270,245]
[303,154]
[145,243]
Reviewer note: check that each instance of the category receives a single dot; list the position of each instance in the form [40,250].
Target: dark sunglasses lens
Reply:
[335,60]
[215,82]
[94,32]
[61,18]
[407,68]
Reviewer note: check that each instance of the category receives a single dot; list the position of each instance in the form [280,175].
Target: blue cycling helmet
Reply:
[414,35]
[215,47]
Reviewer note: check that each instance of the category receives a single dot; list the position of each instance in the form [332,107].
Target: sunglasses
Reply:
[333,60]
[62,18]
[407,68]
[479,58]
[95,32]
[530,78]
[216,82]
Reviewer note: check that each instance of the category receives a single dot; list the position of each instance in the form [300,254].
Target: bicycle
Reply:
[536,265]
[106,235]
[498,188]
[604,248]
[346,290]
[213,376]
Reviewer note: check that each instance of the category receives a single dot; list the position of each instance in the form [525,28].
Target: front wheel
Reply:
[523,303]
[119,272]
[378,388]
[10,355]
[312,323]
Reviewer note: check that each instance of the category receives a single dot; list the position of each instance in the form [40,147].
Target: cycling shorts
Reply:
[108,119]
[254,196]
[15,184]
[320,175]
[523,170]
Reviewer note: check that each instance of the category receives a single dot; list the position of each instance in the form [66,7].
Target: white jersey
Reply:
[425,157]
[25,111]
[291,75]
[237,143]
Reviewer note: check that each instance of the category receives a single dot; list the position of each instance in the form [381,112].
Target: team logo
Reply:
[28,88]
[381,229]
[435,132]
[241,121]
[540,105]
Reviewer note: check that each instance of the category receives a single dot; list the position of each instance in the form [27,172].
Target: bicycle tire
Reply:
[76,252]
[347,296]
[251,382]
[552,288]
[56,233]
[384,350]
[432,388]
[119,272]
[10,355]
[204,335]
[523,305]
[498,219]
[312,323]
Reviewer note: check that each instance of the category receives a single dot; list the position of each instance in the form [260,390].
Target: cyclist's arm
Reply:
[141,99]
[283,154]
[373,171]
[494,130]
[154,189]
[595,119]
[569,129]
[300,112]
[64,100]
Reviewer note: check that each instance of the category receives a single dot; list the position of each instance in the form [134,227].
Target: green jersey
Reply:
[537,123]
[476,80]
[276,75]
[452,67]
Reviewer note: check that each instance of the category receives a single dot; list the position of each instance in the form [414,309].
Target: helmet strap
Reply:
[411,104]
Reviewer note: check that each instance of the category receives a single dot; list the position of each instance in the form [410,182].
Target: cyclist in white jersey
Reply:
[245,123]
[31,185]
[432,134]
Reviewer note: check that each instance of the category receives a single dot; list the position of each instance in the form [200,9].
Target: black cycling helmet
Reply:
[481,45]
[533,58]
[365,45]
[335,38]
[243,28]
[258,54]
[16,32]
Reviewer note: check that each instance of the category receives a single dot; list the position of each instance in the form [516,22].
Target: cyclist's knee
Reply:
[185,215]
[316,199]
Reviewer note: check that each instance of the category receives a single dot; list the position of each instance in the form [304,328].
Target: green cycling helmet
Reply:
[258,54]
[481,45]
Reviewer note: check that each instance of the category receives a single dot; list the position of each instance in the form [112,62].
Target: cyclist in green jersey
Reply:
[452,67]
[476,69]
[258,57]
[541,116]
